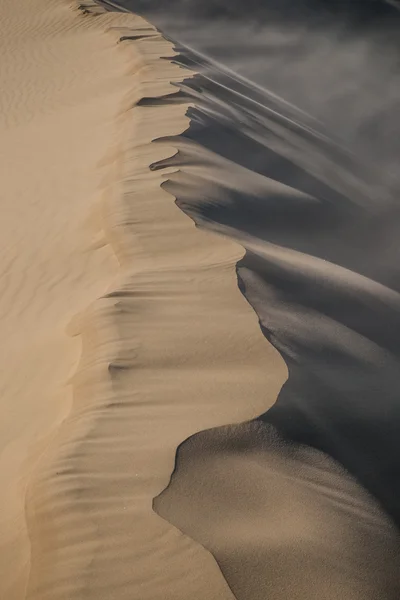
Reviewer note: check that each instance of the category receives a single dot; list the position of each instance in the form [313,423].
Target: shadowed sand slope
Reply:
[283,521]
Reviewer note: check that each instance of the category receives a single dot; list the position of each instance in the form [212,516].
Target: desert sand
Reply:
[124,334]
[123,330]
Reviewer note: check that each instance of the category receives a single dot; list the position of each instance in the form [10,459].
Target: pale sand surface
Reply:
[123,330]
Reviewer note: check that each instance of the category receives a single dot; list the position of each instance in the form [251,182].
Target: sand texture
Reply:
[123,330]
[140,292]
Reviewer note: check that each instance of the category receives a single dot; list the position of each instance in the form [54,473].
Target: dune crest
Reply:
[125,337]
[124,331]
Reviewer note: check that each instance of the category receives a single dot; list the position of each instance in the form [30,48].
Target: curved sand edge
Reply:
[172,348]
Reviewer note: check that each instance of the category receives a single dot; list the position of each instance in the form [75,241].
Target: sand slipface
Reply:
[122,326]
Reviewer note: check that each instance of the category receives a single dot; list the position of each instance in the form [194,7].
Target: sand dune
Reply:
[123,328]
[125,336]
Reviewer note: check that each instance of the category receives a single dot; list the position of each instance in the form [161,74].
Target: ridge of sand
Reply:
[169,348]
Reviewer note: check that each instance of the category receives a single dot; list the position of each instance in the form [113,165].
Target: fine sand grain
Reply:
[123,329]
